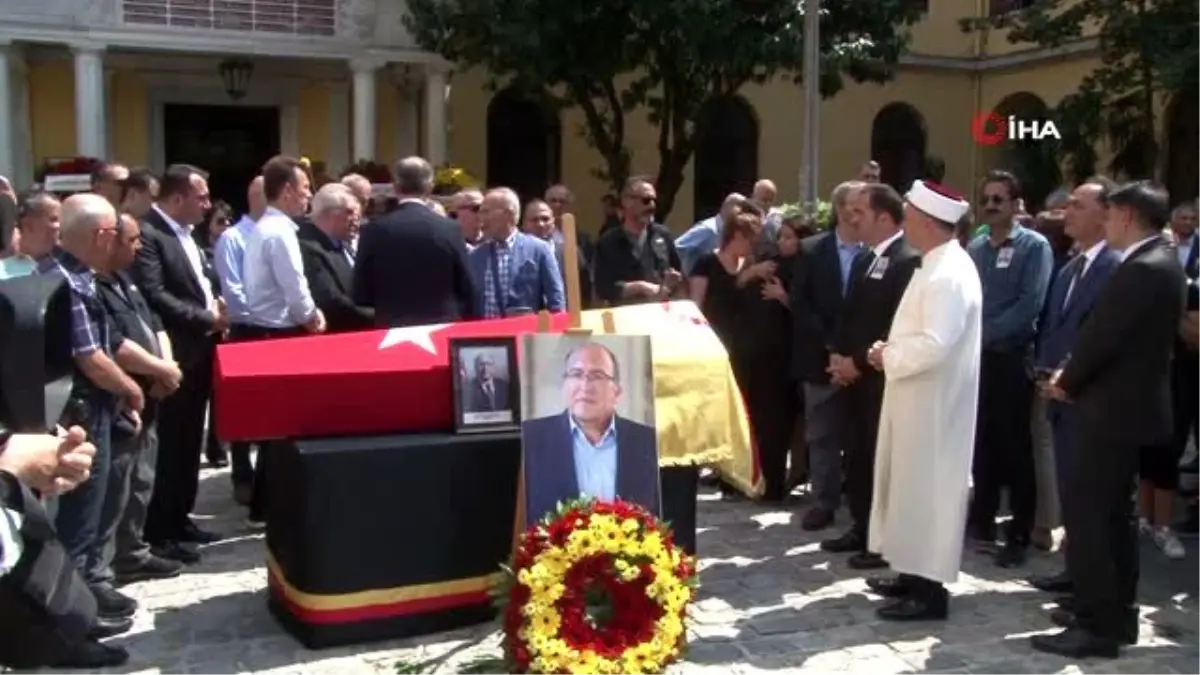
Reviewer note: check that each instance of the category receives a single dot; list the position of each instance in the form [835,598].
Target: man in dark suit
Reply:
[1072,294]
[819,284]
[637,262]
[878,280]
[1118,379]
[588,449]
[412,266]
[170,271]
[486,392]
[329,259]
[560,199]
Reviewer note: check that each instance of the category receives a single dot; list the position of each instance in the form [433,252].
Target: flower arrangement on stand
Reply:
[449,179]
[68,176]
[598,587]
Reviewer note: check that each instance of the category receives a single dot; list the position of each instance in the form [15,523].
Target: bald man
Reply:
[704,236]
[228,256]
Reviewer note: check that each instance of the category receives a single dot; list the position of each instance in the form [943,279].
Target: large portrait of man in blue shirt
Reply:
[588,448]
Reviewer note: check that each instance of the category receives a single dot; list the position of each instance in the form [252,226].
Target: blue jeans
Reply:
[78,517]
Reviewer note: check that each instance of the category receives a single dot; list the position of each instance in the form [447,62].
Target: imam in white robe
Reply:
[927,425]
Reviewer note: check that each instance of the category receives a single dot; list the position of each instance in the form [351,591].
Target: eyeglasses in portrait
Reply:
[588,426]
[486,384]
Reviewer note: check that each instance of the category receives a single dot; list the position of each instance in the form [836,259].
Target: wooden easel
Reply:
[574,327]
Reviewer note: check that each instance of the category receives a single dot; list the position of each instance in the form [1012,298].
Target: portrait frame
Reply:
[463,353]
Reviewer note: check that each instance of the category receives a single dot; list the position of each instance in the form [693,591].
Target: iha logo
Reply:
[992,128]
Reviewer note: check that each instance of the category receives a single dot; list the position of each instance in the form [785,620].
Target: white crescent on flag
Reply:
[420,336]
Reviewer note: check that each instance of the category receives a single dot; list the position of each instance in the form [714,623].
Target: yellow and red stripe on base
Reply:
[375,604]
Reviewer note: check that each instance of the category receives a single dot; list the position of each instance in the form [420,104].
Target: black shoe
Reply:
[1067,619]
[192,534]
[108,626]
[817,518]
[173,550]
[153,567]
[1012,555]
[1076,643]
[1067,602]
[866,560]
[847,543]
[912,608]
[889,587]
[217,457]
[1058,583]
[112,603]
[92,655]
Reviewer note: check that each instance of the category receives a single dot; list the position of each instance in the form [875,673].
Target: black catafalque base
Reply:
[380,537]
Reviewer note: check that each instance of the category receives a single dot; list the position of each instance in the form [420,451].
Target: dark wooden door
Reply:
[231,143]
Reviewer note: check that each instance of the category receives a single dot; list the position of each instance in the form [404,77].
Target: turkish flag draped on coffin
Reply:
[399,380]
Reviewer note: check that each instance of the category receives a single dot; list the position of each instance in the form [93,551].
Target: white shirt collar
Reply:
[882,247]
[610,432]
[1090,255]
[1134,248]
[179,229]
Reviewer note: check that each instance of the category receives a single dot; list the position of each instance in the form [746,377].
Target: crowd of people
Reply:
[932,364]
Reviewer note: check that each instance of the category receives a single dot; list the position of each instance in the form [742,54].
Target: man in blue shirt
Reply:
[1014,264]
[705,236]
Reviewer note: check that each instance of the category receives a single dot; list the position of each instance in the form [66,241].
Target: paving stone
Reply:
[770,601]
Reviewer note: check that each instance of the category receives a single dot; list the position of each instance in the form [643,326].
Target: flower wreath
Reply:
[597,587]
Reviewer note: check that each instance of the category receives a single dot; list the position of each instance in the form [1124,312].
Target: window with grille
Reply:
[290,17]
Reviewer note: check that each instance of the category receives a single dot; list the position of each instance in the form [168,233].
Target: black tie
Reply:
[1076,277]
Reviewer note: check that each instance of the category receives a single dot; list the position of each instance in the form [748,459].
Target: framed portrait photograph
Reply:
[588,425]
[487,392]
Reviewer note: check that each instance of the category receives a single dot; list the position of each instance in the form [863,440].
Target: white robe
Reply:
[927,425]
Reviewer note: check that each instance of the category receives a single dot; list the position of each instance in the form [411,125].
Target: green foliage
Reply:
[666,58]
[824,213]
[1148,52]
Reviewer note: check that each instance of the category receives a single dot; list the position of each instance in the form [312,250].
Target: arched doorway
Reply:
[898,140]
[726,157]
[524,144]
[1034,162]
[1183,136]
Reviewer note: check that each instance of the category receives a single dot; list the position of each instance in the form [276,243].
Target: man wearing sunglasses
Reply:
[637,262]
[1014,263]
[466,212]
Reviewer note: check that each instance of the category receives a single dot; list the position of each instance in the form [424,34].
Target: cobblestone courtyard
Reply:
[771,601]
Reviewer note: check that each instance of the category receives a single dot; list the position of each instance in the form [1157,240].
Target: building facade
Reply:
[140,81]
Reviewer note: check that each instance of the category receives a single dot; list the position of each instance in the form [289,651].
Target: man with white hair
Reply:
[87,234]
[704,236]
[560,199]
[514,273]
[325,238]
[466,207]
[361,188]
[411,266]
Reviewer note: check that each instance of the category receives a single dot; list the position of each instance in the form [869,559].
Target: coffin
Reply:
[398,380]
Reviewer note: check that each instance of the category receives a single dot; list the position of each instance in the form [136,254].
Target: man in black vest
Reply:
[637,262]
[134,453]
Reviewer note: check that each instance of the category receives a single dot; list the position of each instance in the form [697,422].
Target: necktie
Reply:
[861,267]
[491,397]
[1076,275]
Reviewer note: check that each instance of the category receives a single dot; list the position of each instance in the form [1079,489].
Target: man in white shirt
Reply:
[278,300]
[229,253]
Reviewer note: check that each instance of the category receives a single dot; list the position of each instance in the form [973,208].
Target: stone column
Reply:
[90,108]
[366,128]
[435,115]
[7,154]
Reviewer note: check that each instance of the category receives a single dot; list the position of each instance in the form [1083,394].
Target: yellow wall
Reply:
[313,124]
[52,110]
[130,119]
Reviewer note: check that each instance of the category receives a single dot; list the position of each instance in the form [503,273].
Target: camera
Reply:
[36,364]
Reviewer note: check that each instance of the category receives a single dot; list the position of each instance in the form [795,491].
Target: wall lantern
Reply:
[236,75]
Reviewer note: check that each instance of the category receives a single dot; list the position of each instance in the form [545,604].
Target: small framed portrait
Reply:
[487,393]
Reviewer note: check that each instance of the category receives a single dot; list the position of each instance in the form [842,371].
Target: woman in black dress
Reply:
[745,302]
[215,221]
